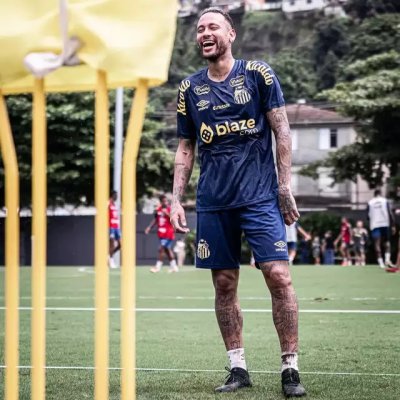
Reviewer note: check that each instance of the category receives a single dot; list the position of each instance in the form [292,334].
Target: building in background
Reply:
[316,133]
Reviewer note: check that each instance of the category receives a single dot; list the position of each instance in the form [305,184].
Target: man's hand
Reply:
[178,218]
[288,206]
[147,230]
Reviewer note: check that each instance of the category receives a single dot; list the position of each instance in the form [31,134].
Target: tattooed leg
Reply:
[284,303]
[227,308]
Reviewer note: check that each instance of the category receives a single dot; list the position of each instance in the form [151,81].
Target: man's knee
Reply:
[225,282]
[276,274]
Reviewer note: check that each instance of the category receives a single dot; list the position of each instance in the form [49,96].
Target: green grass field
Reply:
[180,355]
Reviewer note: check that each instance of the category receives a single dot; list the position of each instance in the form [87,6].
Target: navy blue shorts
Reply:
[115,233]
[292,245]
[219,235]
[382,232]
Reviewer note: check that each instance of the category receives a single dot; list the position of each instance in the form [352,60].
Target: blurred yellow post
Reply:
[128,289]
[39,231]
[10,163]
[101,236]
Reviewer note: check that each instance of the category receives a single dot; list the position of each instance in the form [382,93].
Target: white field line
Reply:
[209,370]
[191,310]
[243,298]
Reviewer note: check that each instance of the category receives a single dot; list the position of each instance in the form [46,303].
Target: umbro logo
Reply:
[280,246]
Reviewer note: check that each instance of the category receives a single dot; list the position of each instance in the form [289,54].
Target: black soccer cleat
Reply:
[238,378]
[291,385]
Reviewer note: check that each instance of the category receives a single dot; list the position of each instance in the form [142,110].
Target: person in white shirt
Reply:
[291,239]
[380,219]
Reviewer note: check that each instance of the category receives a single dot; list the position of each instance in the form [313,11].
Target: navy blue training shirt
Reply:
[228,120]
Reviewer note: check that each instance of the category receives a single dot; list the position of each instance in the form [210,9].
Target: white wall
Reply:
[292,6]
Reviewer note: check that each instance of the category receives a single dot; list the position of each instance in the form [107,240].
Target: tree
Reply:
[70,148]
[371,95]
[296,74]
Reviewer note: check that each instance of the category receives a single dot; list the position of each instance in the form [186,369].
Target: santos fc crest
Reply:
[203,250]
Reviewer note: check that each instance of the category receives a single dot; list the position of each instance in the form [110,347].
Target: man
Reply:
[115,231]
[345,238]
[165,232]
[229,109]
[291,238]
[380,219]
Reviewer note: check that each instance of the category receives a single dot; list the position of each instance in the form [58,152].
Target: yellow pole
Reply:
[128,289]
[39,230]
[9,157]
[102,171]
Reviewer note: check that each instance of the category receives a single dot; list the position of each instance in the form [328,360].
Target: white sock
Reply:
[236,358]
[387,258]
[158,264]
[289,360]
[380,261]
[290,260]
[172,264]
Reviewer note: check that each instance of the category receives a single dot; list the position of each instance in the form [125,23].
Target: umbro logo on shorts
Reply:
[280,246]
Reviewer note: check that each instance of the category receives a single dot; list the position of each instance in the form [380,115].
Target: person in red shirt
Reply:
[115,231]
[346,240]
[166,234]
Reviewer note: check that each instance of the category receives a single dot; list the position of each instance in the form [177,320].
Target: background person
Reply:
[380,219]
[328,249]
[291,238]
[166,235]
[345,238]
[360,237]
[229,109]
[115,231]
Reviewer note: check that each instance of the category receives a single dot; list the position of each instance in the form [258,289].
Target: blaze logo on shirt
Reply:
[185,84]
[207,133]
[199,90]
[203,250]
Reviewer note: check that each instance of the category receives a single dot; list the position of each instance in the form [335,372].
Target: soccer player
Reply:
[291,238]
[360,236]
[115,231]
[229,110]
[345,239]
[165,232]
[380,219]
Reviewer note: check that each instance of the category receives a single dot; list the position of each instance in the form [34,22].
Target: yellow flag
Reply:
[129,39]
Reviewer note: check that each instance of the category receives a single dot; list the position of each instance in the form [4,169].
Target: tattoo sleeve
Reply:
[278,121]
[184,160]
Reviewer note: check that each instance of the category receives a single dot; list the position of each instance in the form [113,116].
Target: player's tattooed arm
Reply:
[184,160]
[279,123]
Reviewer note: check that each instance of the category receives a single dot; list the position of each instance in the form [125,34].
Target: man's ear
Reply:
[232,35]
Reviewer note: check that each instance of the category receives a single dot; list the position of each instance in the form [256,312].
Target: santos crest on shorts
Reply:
[228,120]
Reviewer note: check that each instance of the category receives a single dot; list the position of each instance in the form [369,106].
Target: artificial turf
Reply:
[180,354]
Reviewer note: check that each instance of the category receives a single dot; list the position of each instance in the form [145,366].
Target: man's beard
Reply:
[220,51]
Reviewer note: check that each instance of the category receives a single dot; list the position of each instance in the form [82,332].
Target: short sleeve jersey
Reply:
[228,121]
[291,232]
[113,218]
[165,229]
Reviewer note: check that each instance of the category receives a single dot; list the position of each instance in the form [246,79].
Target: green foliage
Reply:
[331,44]
[367,8]
[318,223]
[295,74]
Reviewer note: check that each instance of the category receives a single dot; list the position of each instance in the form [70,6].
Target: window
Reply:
[309,1]
[295,140]
[328,139]
[333,139]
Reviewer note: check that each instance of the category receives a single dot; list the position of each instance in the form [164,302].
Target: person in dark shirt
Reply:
[229,110]
[328,249]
